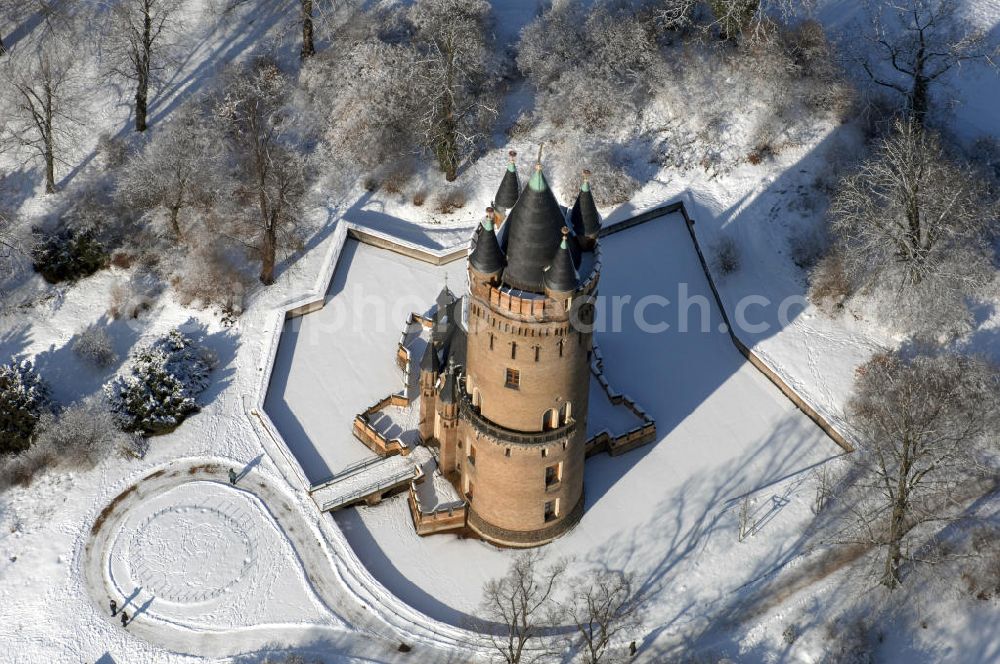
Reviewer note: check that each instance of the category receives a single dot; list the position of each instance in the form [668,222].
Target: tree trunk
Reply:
[142,71]
[897,521]
[308,48]
[447,142]
[49,149]
[919,102]
[268,252]
[174,223]
[141,104]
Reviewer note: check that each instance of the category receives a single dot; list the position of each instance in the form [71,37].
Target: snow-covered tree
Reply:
[520,605]
[137,36]
[181,167]
[454,71]
[917,42]
[603,609]
[588,65]
[69,255]
[43,83]
[913,223]
[24,397]
[272,174]
[365,91]
[159,388]
[922,423]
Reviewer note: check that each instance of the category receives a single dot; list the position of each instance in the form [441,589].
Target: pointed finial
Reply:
[538,161]
[565,234]
[488,220]
[586,180]
[511,157]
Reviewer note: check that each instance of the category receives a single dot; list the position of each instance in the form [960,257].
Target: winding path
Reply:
[363,635]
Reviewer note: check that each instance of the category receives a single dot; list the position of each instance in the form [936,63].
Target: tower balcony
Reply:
[503,434]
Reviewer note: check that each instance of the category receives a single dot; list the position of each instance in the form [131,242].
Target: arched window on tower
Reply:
[513,350]
[550,419]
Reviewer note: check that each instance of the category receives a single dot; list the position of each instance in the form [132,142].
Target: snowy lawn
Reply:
[667,512]
[334,363]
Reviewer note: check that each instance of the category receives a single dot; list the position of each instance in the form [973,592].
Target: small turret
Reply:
[429,363]
[561,276]
[585,218]
[510,186]
[448,392]
[487,258]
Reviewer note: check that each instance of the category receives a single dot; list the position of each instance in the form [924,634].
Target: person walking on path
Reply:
[232,477]
[114,608]
[124,619]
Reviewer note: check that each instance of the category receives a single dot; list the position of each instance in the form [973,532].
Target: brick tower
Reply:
[522,406]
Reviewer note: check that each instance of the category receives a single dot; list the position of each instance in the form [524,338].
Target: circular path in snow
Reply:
[216,571]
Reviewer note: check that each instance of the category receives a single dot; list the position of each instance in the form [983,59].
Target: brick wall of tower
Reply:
[521,449]
[551,361]
[507,489]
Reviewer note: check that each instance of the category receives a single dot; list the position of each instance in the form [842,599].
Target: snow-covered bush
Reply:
[726,256]
[160,385]
[24,397]
[82,434]
[981,566]
[449,200]
[210,275]
[828,282]
[69,255]
[93,344]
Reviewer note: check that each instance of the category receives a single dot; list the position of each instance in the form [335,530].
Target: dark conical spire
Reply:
[561,275]
[487,257]
[448,392]
[429,362]
[533,232]
[584,217]
[510,186]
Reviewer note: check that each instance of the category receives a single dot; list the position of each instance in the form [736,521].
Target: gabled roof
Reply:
[585,218]
[510,185]
[533,234]
[561,275]
[487,257]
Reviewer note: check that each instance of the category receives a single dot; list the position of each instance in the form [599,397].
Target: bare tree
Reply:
[180,168]
[922,425]
[517,607]
[138,33]
[43,81]
[913,222]
[272,175]
[916,43]
[454,74]
[742,21]
[308,48]
[603,609]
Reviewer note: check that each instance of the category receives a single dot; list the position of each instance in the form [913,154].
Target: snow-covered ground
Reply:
[667,511]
